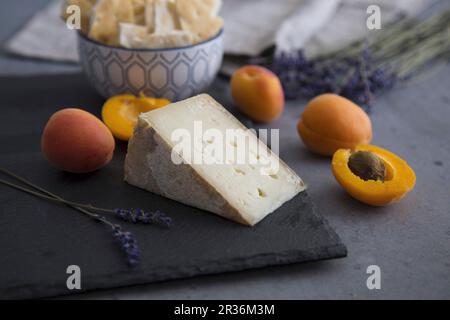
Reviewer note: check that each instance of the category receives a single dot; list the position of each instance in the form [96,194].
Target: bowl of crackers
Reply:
[171,49]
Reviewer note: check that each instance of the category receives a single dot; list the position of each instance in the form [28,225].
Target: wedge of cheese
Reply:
[197,153]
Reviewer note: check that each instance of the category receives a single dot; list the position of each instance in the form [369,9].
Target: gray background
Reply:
[410,240]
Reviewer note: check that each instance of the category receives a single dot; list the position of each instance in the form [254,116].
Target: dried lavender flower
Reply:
[354,77]
[365,68]
[144,217]
[128,243]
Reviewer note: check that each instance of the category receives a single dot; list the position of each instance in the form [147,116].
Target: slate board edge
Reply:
[32,291]
[339,250]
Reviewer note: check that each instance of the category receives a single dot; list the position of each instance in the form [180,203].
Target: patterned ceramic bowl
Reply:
[175,73]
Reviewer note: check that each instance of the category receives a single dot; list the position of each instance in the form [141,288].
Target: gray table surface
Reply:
[409,241]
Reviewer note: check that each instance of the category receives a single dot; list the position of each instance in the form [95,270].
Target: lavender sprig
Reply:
[134,216]
[365,68]
[126,239]
[129,245]
[353,77]
[141,216]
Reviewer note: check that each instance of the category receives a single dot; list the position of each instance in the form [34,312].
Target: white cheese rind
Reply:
[232,189]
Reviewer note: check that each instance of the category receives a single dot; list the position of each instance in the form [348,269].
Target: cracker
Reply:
[135,36]
[173,39]
[150,15]
[197,17]
[213,6]
[103,24]
[132,35]
[124,10]
[207,29]
[138,11]
[191,10]
[152,23]
[106,18]
[166,19]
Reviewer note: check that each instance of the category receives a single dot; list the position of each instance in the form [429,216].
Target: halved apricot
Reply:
[397,180]
[120,113]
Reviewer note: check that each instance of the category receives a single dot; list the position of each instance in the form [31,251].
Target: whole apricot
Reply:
[331,122]
[258,93]
[76,141]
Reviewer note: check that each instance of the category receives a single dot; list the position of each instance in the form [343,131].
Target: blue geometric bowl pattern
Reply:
[174,74]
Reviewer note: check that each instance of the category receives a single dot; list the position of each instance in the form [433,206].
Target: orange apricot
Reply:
[330,122]
[120,113]
[258,93]
[377,177]
[76,141]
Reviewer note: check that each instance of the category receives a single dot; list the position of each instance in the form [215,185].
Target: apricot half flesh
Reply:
[392,185]
[120,113]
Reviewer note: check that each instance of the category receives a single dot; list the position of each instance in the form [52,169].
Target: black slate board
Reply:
[38,240]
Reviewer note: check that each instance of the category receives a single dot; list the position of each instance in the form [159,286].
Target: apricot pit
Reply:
[367,165]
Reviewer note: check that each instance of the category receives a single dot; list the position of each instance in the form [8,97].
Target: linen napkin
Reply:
[316,26]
